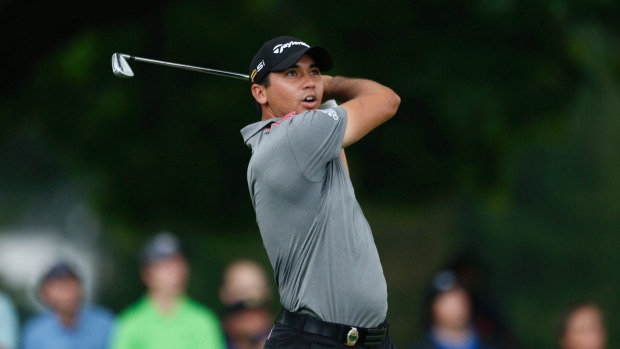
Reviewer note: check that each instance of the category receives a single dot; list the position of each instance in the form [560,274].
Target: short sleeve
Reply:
[316,139]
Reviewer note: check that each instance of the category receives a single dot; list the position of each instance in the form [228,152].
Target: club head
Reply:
[120,67]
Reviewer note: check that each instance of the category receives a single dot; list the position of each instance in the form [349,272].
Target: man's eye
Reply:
[291,73]
[315,72]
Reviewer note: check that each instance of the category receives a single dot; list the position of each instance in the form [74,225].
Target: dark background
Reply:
[505,147]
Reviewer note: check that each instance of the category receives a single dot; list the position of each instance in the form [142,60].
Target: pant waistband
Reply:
[349,335]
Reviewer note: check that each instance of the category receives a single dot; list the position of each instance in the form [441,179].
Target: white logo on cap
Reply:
[260,65]
[280,47]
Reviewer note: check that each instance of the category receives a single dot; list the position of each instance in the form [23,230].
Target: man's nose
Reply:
[309,81]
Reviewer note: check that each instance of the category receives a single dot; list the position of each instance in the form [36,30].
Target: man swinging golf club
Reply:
[326,265]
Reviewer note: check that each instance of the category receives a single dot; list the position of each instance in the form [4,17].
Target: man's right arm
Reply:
[368,104]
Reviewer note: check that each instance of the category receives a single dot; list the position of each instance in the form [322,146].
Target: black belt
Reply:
[349,335]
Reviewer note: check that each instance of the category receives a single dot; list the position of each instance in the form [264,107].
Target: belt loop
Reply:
[303,324]
[342,333]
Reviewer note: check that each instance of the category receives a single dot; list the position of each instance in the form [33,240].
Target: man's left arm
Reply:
[368,104]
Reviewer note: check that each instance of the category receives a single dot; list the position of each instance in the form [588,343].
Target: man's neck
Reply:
[453,334]
[164,303]
[68,320]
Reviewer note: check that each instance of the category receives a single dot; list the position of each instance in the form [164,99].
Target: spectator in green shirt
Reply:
[165,317]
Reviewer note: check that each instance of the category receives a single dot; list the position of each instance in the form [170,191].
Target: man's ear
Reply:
[260,94]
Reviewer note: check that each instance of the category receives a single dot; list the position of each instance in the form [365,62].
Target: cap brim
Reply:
[158,257]
[320,55]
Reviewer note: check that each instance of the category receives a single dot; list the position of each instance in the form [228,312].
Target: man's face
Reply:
[63,295]
[585,330]
[244,280]
[451,309]
[168,276]
[296,89]
[248,329]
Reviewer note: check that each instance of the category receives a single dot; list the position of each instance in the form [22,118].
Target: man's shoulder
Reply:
[133,312]
[423,342]
[38,330]
[334,113]
[252,129]
[38,323]
[197,308]
[317,121]
[99,313]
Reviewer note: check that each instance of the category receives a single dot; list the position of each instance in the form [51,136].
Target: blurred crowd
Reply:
[165,316]
[457,312]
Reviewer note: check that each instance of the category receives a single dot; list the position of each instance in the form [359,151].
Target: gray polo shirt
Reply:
[318,241]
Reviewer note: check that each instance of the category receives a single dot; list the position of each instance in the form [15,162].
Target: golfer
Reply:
[325,261]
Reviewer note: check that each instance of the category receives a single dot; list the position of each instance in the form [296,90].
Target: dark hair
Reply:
[266,81]
[60,270]
[161,246]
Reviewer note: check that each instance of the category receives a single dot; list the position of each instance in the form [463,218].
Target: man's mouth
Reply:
[310,101]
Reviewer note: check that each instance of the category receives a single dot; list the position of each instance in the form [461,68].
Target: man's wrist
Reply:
[334,88]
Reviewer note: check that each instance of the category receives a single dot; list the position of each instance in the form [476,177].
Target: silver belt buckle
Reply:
[352,336]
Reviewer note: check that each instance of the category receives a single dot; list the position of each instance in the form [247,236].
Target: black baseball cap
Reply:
[161,246]
[59,270]
[282,53]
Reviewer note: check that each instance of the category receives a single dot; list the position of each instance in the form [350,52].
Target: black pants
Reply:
[283,337]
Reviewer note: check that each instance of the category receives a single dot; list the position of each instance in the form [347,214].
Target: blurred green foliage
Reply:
[505,144]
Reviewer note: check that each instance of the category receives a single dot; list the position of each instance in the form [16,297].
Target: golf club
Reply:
[121,68]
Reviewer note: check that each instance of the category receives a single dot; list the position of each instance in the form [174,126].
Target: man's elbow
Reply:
[392,103]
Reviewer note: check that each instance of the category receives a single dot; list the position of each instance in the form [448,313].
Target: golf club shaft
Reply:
[121,69]
[189,67]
